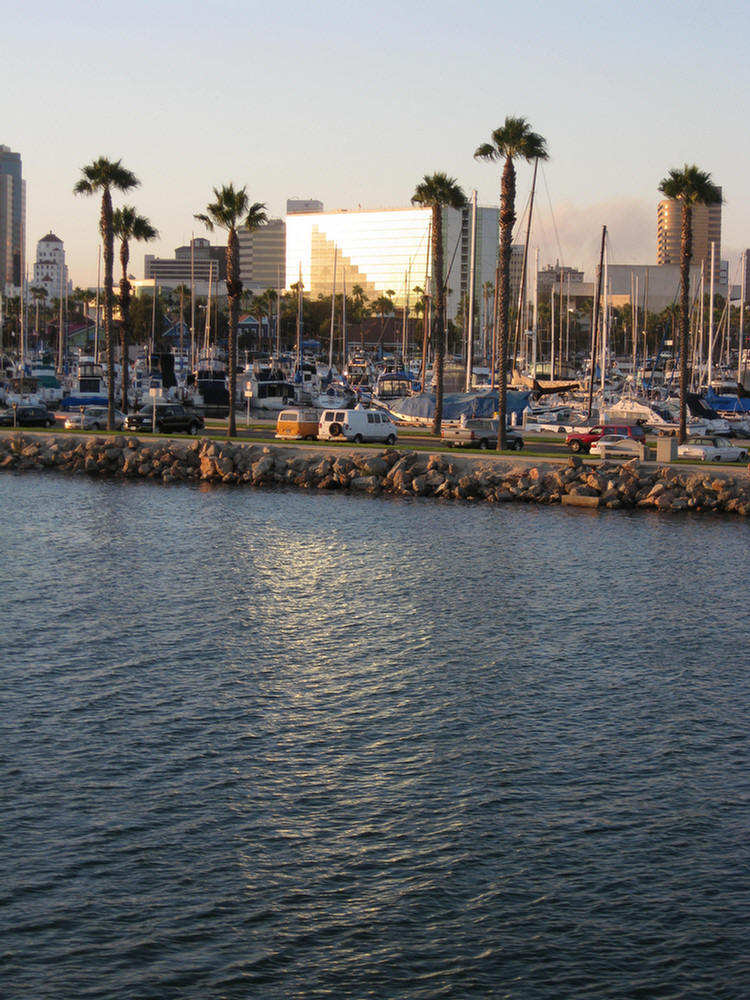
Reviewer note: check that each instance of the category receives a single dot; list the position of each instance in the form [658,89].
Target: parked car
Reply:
[93,418]
[165,418]
[27,415]
[617,445]
[477,433]
[711,449]
[582,439]
[357,425]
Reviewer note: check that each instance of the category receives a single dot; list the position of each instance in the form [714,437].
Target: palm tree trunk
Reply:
[438,326]
[234,292]
[124,322]
[108,254]
[686,252]
[507,219]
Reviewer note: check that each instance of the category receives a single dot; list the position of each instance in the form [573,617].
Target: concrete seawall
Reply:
[489,479]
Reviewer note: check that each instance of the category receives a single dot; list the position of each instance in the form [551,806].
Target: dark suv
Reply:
[165,418]
[27,415]
[582,439]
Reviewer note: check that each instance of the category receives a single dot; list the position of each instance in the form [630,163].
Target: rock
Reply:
[609,485]
[375,466]
[263,466]
[370,484]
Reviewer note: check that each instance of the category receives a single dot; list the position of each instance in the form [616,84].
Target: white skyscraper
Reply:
[50,269]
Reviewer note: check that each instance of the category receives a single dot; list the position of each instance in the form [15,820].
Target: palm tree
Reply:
[103,176]
[38,296]
[382,307]
[127,225]
[230,210]
[690,186]
[510,141]
[438,191]
[268,299]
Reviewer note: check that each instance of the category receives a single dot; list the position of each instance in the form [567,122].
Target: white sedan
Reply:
[617,445]
[93,418]
[711,449]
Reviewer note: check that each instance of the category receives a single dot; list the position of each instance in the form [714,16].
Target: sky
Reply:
[353,103]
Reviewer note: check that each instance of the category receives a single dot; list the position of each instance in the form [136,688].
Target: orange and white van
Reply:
[297,424]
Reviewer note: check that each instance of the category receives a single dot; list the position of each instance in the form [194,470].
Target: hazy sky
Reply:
[352,103]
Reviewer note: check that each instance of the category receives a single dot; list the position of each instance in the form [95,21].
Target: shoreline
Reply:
[387,471]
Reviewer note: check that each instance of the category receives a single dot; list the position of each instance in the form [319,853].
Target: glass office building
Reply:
[12,222]
[388,251]
[379,251]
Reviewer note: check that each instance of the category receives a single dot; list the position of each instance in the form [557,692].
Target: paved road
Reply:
[263,428]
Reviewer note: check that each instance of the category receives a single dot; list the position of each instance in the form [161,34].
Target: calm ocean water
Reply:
[291,745]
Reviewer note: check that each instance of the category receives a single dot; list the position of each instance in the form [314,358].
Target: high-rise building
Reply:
[296,205]
[50,269]
[706,230]
[262,256]
[387,252]
[197,262]
[12,221]
[558,276]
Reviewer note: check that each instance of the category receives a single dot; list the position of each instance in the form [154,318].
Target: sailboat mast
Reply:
[182,313]
[207,341]
[153,318]
[472,280]
[709,368]
[595,322]
[299,322]
[60,332]
[427,298]
[192,301]
[98,288]
[405,324]
[560,325]
[634,313]
[536,307]
[343,324]
[524,266]
[333,310]
[743,279]
[605,327]
[552,334]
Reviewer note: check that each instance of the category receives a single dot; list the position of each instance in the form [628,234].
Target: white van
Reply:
[356,425]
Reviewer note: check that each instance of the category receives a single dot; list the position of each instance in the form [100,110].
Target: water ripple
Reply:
[292,745]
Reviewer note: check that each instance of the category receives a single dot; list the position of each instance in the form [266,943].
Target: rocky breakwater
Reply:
[493,479]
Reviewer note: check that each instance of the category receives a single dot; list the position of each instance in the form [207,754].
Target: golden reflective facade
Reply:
[381,251]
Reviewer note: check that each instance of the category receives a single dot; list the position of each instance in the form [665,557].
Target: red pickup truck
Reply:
[581,440]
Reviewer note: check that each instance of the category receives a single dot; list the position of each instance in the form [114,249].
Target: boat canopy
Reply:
[700,407]
[728,404]
[458,404]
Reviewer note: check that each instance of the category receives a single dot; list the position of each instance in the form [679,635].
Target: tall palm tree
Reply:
[231,210]
[382,307]
[690,186]
[268,298]
[511,141]
[128,225]
[102,176]
[438,191]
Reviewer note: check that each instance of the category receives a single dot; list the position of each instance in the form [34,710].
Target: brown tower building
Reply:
[706,230]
